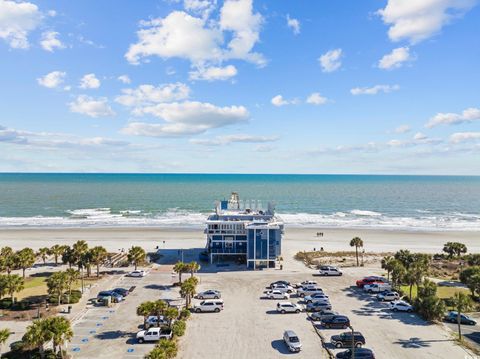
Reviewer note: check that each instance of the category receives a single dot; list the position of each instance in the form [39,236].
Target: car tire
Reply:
[358,345]
[409,310]
[338,345]
[216,297]
[297,311]
[198,310]
[395,309]
[217,310]
[283,311]
[140,340]
[328,326]
[200,297]
[345,326]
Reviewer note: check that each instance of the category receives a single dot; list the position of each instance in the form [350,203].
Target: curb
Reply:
[322,339]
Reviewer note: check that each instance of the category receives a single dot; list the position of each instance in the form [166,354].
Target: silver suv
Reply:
[292,341]
[288,307]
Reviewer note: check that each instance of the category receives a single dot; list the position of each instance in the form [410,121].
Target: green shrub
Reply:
[184,314]
[179,327]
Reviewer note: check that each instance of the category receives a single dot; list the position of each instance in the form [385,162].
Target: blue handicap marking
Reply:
[99,324]
[92,331]
[84,340]
[130,350]
[76,349]
[111,311]
[104,318]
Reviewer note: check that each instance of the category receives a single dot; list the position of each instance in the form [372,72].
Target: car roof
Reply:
[290,333]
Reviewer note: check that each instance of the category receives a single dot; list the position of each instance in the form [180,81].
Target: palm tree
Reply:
[398,272]
[136,255]
[413,276]
[387,264]
[180,268]
[357,243]
[159,307]
[57,251]
[69,256]
[170,313]
[7,257]
[461,303]
[37,335]
[4,335]
[25,258]
[169,348]
[193,267]
[14,284]
[3,285]
[145,309]
[43,253]
[71,276]
[61,332]
[79,249]
[187,290]
[56,284]
[98,256]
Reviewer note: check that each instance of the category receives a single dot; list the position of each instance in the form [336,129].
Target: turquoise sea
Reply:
[390,202]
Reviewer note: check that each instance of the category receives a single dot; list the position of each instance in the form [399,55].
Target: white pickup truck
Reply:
[153,335]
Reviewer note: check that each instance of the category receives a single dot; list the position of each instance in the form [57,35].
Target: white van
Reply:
[329,271]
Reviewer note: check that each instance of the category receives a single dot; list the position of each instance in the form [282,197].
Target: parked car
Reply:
[309,290]
[154,321]
[317,306]
[288,307]
[305,283]
[388,296]
[273,284]
[210,305]
[317,297]
[209,294]
[284,288]
[464,319]
[137,273]
[122,291]
[336,321]
[359,353]
[344,340]
[377,287]
[115,297]
[370,280]
[401,306]
[153,335]
[277,294]
[329,271]
[324,314]
[292,341]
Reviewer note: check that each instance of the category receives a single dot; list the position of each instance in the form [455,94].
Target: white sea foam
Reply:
[174,217]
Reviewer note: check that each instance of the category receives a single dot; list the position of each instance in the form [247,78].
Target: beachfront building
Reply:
[244,231]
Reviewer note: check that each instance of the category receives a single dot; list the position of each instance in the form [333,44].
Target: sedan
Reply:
[137,273]
[401,306]
[122,291]
[318,306]
[277,294]
[464,319]
[305,283]
[325,314]
[272,285]
[317,297]
[358,353]
[209,294]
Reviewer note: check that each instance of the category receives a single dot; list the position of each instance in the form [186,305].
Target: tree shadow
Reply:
[417,343]
[41,274]
[274,312]
[474,337]
[113,334]
[279,345]
[158,286]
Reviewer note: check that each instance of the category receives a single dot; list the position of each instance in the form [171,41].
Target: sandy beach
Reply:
[295,239]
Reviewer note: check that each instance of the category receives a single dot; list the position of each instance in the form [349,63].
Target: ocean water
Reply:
[184,200]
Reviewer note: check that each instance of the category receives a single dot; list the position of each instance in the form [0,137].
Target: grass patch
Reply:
[442,292]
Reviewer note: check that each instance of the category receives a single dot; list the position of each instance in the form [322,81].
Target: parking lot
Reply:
[104,332]
[249,327]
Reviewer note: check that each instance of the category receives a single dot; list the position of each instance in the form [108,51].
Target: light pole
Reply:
[353,342]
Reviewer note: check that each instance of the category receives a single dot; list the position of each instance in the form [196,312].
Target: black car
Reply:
[336,321]
[122,291]
[279,282]
[324,314]
[452,317]
[344,340]
[360,353]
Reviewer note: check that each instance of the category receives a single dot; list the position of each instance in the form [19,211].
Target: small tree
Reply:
[7,260]
[37,335]
[4,335]
[427,303]
[193,267]
[98,256]
[357,243]
[461,303]
[169,348]
[188,289]
[25,258]
[61,332]
[170,313]
[56,284]
[3,285]
[145,309]
[454,249]
[71,276]
[413,276]
[405,257]
[180,268]
[14,284]
[159,307]
[43,253]
[398,273]
[136,255]
[57,252]
[471,278]
[387,264]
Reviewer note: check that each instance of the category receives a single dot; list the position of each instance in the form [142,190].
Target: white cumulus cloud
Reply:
[279,101]
[213,73]
[402,129]
[92,107]
[395,59]
[460,137]
[185,118]
[240,138]
[418,20]
[467,115]
[148,94]
[53,79]
[374,90]
[331,60]
[294,24]
[316,99]
[50,41]
[124,79]
[17,20]
[89,81]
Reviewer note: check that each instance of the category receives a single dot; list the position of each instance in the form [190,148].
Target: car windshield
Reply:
[294,339]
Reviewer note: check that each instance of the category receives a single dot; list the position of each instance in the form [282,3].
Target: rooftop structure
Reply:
[244,230]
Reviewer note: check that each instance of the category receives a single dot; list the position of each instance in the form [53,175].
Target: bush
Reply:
[6,303]
[75,297]
[185,313]
[179,327]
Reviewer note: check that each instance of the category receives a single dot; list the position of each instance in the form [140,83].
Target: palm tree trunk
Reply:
[135,265]
[459,326]
[23,269]
[356,254]
[98,270]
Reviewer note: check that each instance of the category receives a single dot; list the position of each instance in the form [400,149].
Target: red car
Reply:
[369,280]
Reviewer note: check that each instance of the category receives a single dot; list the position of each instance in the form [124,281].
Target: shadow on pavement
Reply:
[280,346]
[474,337]
[113,334]
[416,343]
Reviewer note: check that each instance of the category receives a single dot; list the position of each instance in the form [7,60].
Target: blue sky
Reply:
[387,87]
